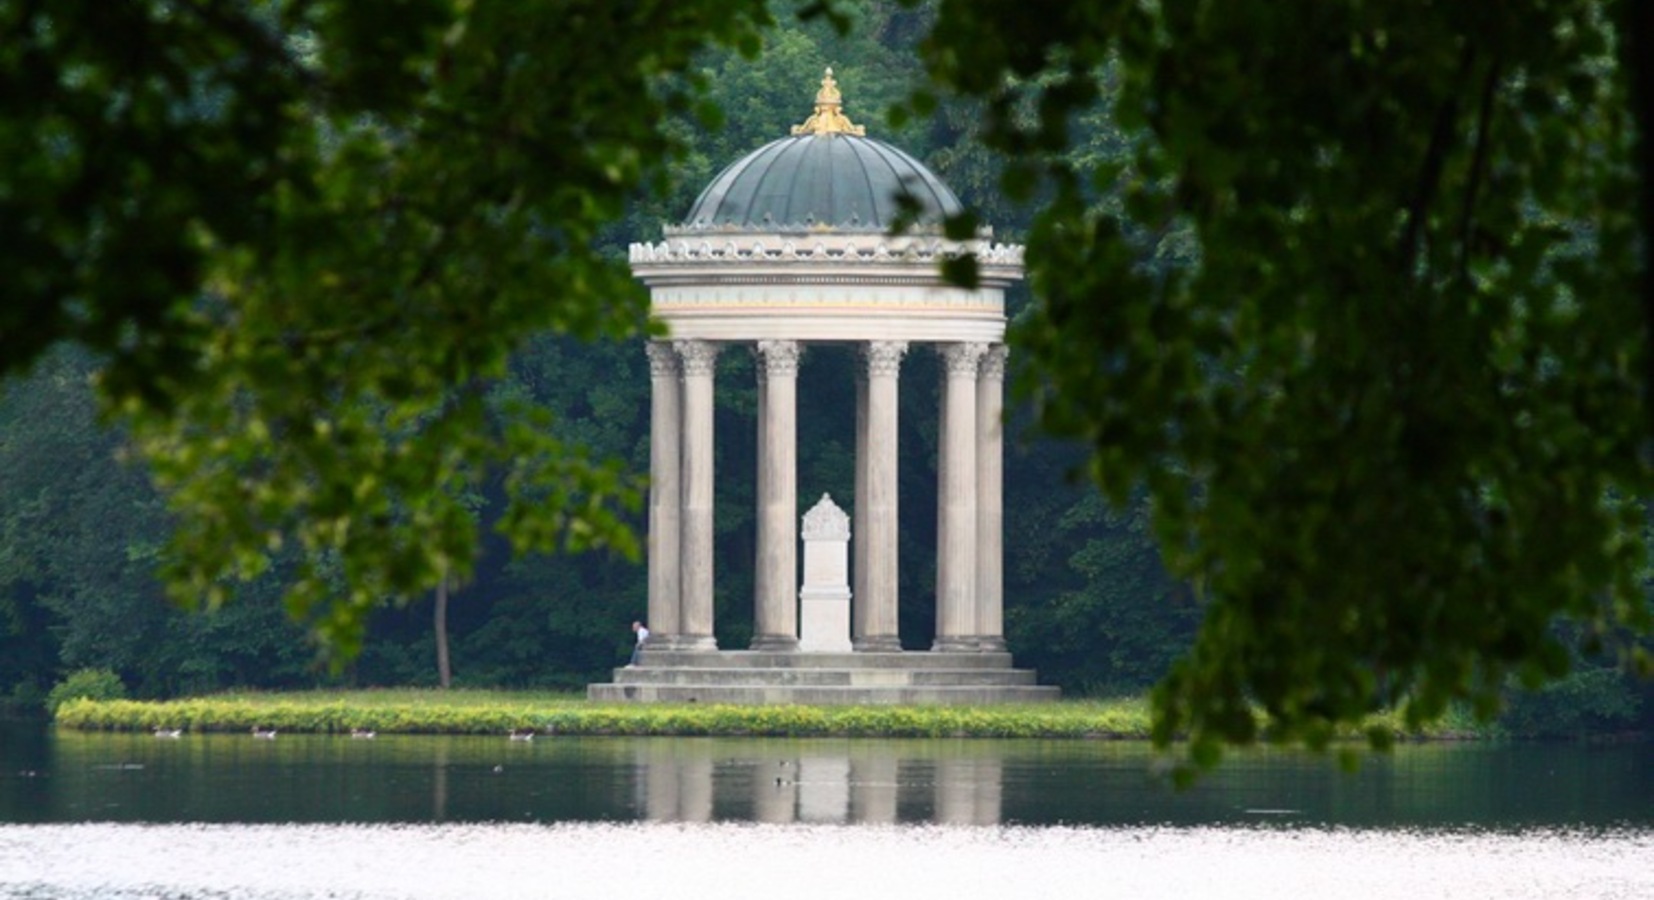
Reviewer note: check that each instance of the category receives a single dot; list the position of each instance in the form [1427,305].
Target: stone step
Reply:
[653,674]
[758,659]
[822,695]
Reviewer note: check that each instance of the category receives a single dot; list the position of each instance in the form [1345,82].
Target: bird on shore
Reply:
[264,734]
[169,732]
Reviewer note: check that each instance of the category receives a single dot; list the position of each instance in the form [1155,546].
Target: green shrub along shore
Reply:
[501,712]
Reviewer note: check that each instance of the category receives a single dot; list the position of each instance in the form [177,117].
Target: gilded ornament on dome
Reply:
[829,117]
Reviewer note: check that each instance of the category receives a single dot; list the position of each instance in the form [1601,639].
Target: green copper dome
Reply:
[827,175]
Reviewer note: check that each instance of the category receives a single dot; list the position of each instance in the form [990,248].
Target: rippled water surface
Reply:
[225,816]
[734,860]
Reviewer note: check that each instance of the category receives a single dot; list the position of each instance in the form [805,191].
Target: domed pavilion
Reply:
[826,236]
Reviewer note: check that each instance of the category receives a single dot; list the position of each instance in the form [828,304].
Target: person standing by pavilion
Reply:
[642,632]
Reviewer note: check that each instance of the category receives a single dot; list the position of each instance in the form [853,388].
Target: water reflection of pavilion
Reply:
[825,785]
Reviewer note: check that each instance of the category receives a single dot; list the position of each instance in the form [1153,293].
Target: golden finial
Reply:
[829,116]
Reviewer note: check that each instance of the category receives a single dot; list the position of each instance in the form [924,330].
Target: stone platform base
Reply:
[744,676]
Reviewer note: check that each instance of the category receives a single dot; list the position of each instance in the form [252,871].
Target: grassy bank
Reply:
[499,712]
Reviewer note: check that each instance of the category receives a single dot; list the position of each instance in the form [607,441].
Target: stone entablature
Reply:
[820,299]
[837,288]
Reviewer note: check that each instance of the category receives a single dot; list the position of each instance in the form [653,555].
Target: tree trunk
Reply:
[444,676]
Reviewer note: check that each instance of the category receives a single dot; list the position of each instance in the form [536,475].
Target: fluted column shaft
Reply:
[990,515]
[775,611]
[699,360]
[858,518]
[956,502]
[665,492]
[876,501]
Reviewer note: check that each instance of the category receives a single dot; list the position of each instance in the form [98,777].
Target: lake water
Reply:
[229,816]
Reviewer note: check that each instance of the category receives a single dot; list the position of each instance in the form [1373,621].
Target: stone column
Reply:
[956,501]
[990,515]
[665,492]
[699,362]
[876,501]
[858,519]
[775,611]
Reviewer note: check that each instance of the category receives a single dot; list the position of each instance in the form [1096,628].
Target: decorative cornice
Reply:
[884,358]
[871,251]
[699,357]
[778,357]
[993,363]
[961,359]
[663,360]
[829,116]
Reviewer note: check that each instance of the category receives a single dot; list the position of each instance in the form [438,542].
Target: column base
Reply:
[697,643]
[886,644]
[991,645]
[957,644]
[774,643]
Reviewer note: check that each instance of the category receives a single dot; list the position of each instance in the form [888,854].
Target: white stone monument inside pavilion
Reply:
[788,247]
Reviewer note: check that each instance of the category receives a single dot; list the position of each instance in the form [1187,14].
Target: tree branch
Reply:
[1435,157]
[1478,165]
[1638,26]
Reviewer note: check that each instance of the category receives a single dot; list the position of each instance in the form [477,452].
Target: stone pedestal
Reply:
[825,596]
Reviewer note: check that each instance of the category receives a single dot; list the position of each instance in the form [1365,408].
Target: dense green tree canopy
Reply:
[305,233]
[1393,415]
[1348,288]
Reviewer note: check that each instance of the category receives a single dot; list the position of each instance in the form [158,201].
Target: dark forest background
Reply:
[1087,602]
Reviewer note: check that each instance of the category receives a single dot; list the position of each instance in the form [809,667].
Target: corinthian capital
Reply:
[699,357]
[778,357]
[884,358]
[961,359]
[993,363]
[663,361]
